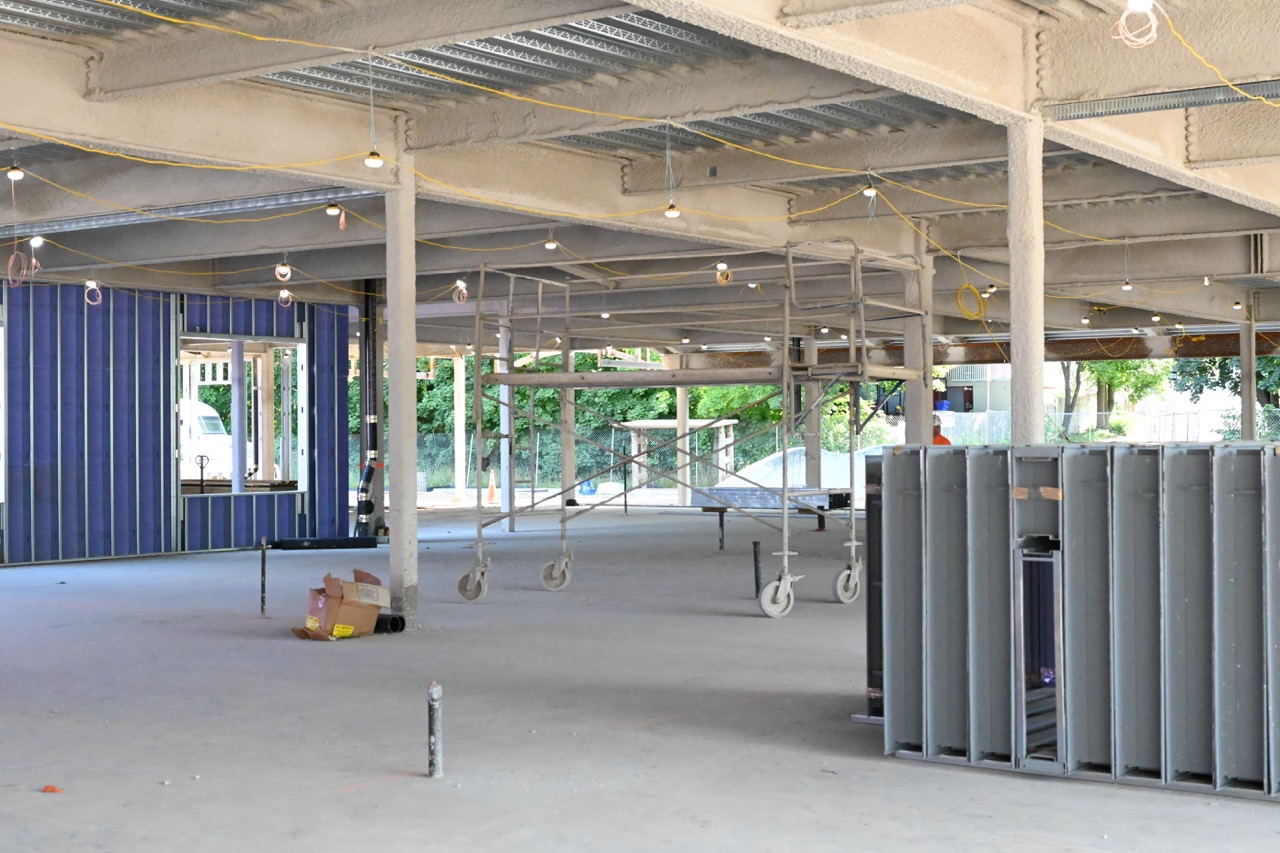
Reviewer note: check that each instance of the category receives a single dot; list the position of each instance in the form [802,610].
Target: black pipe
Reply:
[389,623]
[370,373]
[755,559]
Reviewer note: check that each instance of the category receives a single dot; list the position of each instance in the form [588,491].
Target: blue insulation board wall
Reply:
[90,425]
[241,521]
[88,415]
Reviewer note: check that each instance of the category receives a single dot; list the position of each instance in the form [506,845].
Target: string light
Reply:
[92,293]
[684,340]
[460,291]
[824,330]
[285,298]
[721,266]
[332,209]
[768,338]
[551,244]
[752,284]
[1085,320]
[373,160]
[284,271]
[604,315]
[15,174]
[1127,286]
[37,241]
[843,336]
[1206,281]
[672,212]
[1155,318]
[1237,306]
[870,192]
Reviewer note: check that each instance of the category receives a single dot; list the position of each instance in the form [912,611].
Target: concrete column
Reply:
[286,414]
[239,414]
[812,421]
[917,347]
[1248,379]
[1026,279]
[267,414]
[460,430]
[506,426]
[568,450]
[402,444]
[683,471]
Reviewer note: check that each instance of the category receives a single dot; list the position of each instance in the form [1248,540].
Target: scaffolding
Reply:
[803,385]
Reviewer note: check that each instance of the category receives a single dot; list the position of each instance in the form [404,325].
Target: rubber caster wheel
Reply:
[847,586]
[556,575]
[774,605]
[472,586]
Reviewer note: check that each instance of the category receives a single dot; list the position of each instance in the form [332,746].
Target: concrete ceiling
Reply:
[776,114]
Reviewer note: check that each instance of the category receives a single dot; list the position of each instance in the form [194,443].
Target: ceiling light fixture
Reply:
[752,284]
[702,346]
[843,336]
[373,160]
[721,266]
[92,292]
[1127,285]
[604,315]
[1137,25]
[986,294]
[672,212]
[1085,320]
[332,208]
[15,174]
[284,271]
[870,191]
[824,330]
[551,244]
[768,338]
[684,340]
[1206,281]
[1155,318]
[1237,306]
[285,299]
[37,241]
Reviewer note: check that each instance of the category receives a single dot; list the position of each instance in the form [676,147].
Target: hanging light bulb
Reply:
[1206,281]
[92,292]
[870,191]
[1178,326]
[373,160]
[1128,285]
[721,266]
[768,338]
[672,212]
[824,330]
[551,244]
[1136,330]
[284,271]
[332,208]
[702,346]
[1155,318]
[1237,306]
[15,174]
[37,241]
[604,315]
[1085,320]
[843,336]
[684,340]
[986,294]
[285,298]
[991,288]
[752,284]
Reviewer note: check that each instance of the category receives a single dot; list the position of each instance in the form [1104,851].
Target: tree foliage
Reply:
[1198,375]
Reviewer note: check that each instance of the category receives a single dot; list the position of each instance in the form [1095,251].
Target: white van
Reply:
[202,433]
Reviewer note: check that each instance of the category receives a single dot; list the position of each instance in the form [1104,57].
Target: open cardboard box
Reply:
[343,609]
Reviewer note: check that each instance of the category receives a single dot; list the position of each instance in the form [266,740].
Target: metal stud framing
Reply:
[1094,611]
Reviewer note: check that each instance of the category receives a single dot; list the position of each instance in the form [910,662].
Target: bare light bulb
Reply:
[986,294]
[1084,320]
[672,212]
[284,272]
[703,346]
[551,244]
[15,174]
[843,336]
[824,330]
[684,340]
[604,315]
[1206,281]
[752,284]
[373,160]
[285,299]
[1237,306]
[1126,286]
[722,266]
[332,208]
[1155,318]
[768,338]
[870,191]
[37,241]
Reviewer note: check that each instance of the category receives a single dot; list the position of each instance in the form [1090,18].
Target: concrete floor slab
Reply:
[646,707]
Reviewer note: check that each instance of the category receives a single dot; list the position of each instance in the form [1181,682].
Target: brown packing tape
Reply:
[1051,493]
[1021,493]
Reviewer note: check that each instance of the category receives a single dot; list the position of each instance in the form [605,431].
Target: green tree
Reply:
[1139,378]
[1197,375]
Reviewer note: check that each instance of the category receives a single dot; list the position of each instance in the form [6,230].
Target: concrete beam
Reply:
[679,93]
[240,124]
[180,57]
[825,13]
[931,148]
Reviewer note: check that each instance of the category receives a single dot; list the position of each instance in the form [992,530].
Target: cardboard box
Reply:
[342,609]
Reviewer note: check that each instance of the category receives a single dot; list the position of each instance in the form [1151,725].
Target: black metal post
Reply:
[755,559]
[264,575]
[435,745]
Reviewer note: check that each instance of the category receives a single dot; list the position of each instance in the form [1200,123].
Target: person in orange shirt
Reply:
[938,437]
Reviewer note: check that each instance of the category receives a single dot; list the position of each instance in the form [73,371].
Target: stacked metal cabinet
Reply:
[1104,611]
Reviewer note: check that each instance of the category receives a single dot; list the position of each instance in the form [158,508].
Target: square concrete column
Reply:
[402,431]
[1026,279]
[1248,379]
[239,416]
[917,347]
[812,420]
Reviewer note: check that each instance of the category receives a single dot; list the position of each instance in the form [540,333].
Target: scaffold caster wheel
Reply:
[773,604]
[848,585]
[556,575]
[473,585]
